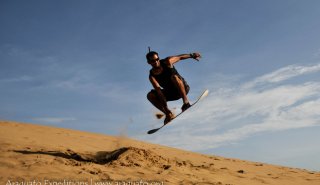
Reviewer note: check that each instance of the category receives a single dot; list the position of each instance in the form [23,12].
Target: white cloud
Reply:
[284,74]
[232,114]
[54,119]
[24,78]
[317,54]
[108,90]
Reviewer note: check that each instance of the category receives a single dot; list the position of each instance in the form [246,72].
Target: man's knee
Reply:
[180,83]
[176,79]
[151,96]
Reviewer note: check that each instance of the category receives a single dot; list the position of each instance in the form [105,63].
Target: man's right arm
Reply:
[157,88]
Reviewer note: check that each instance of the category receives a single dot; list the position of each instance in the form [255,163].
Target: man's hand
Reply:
[195,56]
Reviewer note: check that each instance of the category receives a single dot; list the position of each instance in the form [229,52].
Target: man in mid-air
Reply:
[168,84]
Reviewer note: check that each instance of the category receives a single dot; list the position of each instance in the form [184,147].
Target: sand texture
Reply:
[42,155]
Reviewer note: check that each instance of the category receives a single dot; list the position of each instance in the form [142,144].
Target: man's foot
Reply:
[168,118]
[185,106]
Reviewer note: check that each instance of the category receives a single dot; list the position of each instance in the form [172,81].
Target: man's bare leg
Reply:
[154,99]
[182,90]
[161,105]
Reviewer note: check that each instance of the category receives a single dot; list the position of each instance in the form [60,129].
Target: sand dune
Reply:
[42,155]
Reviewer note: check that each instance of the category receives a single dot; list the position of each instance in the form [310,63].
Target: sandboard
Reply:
[203,95]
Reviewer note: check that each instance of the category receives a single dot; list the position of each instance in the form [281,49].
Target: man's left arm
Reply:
[174,59]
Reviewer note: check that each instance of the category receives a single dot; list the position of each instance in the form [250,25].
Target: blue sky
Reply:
[81,65]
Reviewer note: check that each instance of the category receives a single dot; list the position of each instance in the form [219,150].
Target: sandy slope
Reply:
[42,155]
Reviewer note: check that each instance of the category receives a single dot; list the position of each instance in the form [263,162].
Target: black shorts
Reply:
[173,94]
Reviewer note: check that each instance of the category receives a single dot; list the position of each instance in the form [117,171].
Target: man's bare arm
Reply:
[156,87]
[174,59]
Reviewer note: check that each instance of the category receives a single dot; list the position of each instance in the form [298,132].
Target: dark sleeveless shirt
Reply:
[164,78]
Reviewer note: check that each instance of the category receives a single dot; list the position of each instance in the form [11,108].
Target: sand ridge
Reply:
[38,153]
